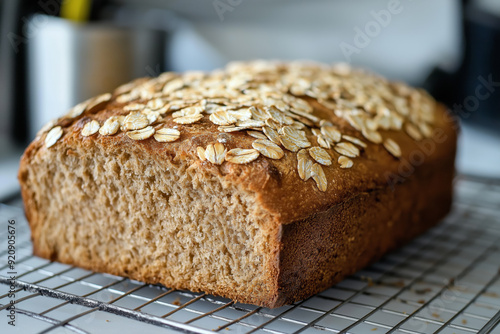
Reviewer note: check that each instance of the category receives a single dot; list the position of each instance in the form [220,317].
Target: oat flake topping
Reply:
[275,104]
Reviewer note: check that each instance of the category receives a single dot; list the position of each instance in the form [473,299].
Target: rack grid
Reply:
[445,281]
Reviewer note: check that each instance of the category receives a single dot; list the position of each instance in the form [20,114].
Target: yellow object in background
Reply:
[76,10]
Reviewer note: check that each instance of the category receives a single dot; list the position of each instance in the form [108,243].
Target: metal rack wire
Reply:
[446,281]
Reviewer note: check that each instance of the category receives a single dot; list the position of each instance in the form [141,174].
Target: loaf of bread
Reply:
[264,182]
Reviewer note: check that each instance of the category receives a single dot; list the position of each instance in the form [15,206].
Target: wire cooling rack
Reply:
[445,281]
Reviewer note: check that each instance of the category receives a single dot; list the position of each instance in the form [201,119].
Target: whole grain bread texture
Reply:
[264,182]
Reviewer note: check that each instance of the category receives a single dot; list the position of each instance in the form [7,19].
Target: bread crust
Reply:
[317,237]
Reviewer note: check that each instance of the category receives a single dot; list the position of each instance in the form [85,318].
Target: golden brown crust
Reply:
[311,226]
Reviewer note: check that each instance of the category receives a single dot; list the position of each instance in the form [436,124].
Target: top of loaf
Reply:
[330,123]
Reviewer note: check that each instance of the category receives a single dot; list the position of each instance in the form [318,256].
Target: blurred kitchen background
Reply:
[56,53]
